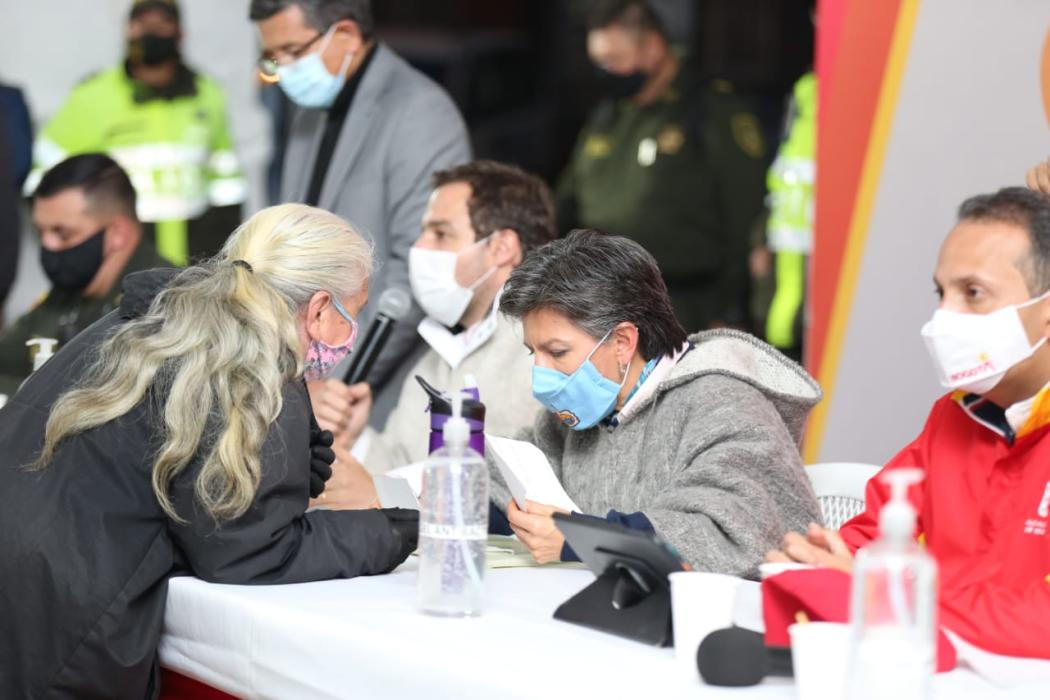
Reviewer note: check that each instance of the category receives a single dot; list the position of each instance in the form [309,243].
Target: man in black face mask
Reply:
[166,125]
[90,238]
[676,163]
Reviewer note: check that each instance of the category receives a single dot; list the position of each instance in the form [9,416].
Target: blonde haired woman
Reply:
[174,436]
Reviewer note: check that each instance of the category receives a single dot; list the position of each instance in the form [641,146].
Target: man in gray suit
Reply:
[369,132]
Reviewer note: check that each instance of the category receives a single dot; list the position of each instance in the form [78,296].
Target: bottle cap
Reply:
[441,405]
[897,518]
[470,388]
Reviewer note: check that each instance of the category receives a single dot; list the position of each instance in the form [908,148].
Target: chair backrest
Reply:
[840,489]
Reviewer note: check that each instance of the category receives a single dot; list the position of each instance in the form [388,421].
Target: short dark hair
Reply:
[597,281]
[320,14]
[505,196]
[105,185]
[168,7]
[636,15]
[1028,209]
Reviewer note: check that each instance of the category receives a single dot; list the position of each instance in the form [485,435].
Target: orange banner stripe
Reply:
[861,221]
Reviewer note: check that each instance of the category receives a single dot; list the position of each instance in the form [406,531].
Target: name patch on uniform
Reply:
[647,151]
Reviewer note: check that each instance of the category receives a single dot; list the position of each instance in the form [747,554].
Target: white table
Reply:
[363,638]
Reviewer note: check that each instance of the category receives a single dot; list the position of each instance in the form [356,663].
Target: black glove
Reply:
[321,458]
[405,525]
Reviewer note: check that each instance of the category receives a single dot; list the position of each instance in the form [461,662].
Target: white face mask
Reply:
[972,352]
[432,274]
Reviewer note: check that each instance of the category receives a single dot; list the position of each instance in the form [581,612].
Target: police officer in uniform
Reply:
[675,164]
[791,218]
[90,238]
[166,125]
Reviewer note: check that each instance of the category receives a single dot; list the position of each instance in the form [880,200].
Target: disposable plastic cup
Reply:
[700,604]
[820,654]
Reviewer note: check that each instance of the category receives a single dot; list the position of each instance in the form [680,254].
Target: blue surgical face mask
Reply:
[580,399]
[308,83]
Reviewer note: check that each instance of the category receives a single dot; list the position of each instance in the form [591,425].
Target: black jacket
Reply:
[86,551]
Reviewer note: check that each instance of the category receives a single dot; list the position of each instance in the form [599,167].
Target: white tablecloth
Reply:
[363,638]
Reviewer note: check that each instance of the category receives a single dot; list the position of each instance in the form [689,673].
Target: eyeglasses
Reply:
[350,319]
[269,63]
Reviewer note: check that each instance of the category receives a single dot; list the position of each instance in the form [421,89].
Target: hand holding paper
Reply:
[536,530]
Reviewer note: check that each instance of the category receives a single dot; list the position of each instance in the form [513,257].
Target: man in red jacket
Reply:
[984,506]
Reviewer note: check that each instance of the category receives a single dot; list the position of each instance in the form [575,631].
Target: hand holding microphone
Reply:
[342,409]
[331,402]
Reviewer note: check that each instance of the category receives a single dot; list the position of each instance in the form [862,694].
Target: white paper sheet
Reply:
[413,474]
[395,492]
[528,473]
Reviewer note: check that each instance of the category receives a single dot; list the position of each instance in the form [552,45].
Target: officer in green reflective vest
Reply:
[673,162]
[789,232]
[166,126]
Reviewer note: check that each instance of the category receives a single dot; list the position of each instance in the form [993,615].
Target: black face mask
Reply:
[73,268]
[152,50]
[619,86]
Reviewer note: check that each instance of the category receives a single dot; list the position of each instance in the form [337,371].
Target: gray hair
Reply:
[320,14]
[597,281]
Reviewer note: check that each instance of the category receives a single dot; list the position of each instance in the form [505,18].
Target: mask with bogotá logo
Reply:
[973,352]
[580,399]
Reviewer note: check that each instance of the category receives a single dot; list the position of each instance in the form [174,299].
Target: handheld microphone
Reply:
[739,657]
[393,304]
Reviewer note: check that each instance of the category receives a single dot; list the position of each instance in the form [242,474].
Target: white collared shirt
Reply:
[455,347]
[1017,414]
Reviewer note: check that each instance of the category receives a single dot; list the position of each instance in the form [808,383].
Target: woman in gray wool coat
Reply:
[692,437]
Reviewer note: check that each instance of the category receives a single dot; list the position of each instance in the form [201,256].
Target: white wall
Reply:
[969,119]
[48,46]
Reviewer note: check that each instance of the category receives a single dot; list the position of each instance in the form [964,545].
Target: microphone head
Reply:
[394,303]
[732,657]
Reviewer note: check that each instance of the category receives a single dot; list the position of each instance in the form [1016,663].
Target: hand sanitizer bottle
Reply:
[45,350]
[893,605]
[453,523]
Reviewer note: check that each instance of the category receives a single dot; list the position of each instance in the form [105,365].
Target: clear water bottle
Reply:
[894,604]
[453,523]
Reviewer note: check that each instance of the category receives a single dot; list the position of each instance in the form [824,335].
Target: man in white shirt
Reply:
[481,221]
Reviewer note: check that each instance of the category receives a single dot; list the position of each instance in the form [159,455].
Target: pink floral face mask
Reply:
[321,357]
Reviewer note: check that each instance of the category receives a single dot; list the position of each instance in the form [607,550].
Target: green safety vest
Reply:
[177,152]
[790,180]
[791,213]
